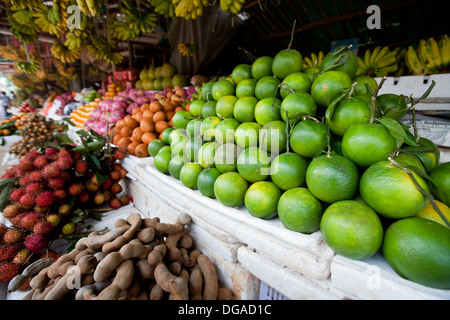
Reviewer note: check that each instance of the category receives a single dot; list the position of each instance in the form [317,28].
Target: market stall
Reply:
[150,157]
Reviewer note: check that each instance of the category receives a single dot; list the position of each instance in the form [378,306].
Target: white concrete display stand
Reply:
[248,250]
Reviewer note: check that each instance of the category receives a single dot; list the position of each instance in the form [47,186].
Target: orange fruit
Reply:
[126,131]
[328,85]
[332,178]
[241,72]
[299,210]
[261,199]
[262,67]
[138,115]
[367,143]
[155,106]
[352,229]
[147,125]
[418,250]
[141,150]
[148,114]
[148,137]
[170,114]
[168,105]
[160,126]
[130,121]
[285,62]
[145,106]
[123,143]
[230,189]
[132,147]
[391,192]
[116,138]
[159,116]
[137,134]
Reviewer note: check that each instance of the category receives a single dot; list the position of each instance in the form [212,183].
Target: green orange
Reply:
[261,199]
[161,161]
[181,119]
[190,150]
[352,229]
[440,176]
[189,174]
[206,154]
[208,126]
[175,165]
[393,105]
[267,110]
[221,88]
[295,82]
[367,143]
[196,107]
[300,211]
[193,128]
[346,63]
[267,87]
[225,158]
[206,180]
[253,164]
[427,152]
[165,136]
[206,91]
[346,113]
[225,106]
[418,250]
[391,192]
[332,178]
[247,135]
[328,85]
[308,138]
[246,88]
[431,214]
[244,109]
[285,62]
[241,72]
[288,170]
[262,67]
[361,89]
[209,109]
[273,137]
[154,146]
[297,105]
[230,189]
[225,129]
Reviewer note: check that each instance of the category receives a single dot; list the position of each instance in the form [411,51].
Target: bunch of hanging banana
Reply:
[26,4]
[103,49]
[61,7]
[90,7]
[63,53]
[379,62]
[12,53]
[429,57]
[68,71]
[314,61]
[47,20]
[28,67]
[120,30]
[22,24]
[234,6]
[189,9]
[188,49]
[164,8]
[73,41]
[21,80]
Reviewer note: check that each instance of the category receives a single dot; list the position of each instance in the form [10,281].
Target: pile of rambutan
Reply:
[49,192]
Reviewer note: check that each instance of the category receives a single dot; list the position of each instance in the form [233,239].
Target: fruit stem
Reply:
[374,98]
[292,36]
[352,89]
[426,194]
[328,142]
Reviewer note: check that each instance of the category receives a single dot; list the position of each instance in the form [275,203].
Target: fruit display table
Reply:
[252,252]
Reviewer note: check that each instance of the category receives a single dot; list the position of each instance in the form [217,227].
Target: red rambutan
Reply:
[35,176]
[51,170]
[56,183]
[64,163]
[45,199]
[30,219]
[81,167]
[33,188]
[75,188]
[60,194]
[26,165]
[36,243]
[40,161]
[27,200]
[116,188]
[8,175]
[8,271]
[50,152]
[33,154]
[107,184]
[11,211]
[63,153]
[83,197]
[16,194]
[24,181]
[8,252]
[12,235]
[43,227]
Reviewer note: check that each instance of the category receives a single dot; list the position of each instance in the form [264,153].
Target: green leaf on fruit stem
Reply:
[4,196]
[7,181]
[101,177]
[63,138]
[395,129]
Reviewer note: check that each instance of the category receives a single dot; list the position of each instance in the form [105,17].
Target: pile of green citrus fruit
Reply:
[313,148]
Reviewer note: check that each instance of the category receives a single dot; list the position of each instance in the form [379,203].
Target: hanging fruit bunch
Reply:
[379,62]
[189,9]
[188,49]
[430,56]
[165,8]
[233,6]
[47,195]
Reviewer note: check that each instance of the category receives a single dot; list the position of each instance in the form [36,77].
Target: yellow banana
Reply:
[424,54]
[367,55]
[413,62]
[374,54]
[435,54]
[444,50]
[381,55]
[308,62]
[83,6]
[382,72]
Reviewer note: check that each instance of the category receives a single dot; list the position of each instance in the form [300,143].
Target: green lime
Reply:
[154,146]
[288,170]
[208,127]
[332,178]
[328,85]
[196,107]
[262,67]
[267,110]
[253,164]
[261,199]
[225,129]
[221,88]
[206,91]
[230,189]
[225,106]
[206,180]
[209,109]
[189,174]
[181,119]
[300,211]
[175,165]
[352,229]
[361,89]
[418,250]
[273,137]
[206,154]
[346,113]
[440,176]
[241,72]
[244,109]
[161,161]
[177,135]
[165,135]
[190,150]
[193,128]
